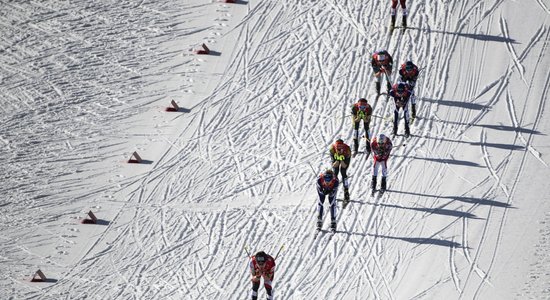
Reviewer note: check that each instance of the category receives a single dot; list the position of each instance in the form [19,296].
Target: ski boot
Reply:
[383,185]
[404,21]
[392,24]
[373,185]
[319,224]
[377,86]
[355,147]
[333,225]
[388,87]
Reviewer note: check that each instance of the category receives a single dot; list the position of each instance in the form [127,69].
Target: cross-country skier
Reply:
[327,185]
[381,148]
[340,154]
[408,73]
[361,111]
[262,265]
[394,12]
[401,94]
[381,63]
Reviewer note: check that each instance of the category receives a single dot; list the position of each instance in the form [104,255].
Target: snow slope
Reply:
[84,84]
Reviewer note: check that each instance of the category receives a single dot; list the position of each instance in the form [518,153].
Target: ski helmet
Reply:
[400,88]
[363,104]
[261,257]
[339,145]
[328,175]
[382,139]
[409,66]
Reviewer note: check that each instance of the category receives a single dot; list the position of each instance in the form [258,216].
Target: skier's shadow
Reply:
[437,211]
[483,37]
[471,200]
[415,240]
[444,160]
[422,241]
[492,145]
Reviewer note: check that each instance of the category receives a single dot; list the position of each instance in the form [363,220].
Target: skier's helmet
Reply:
[409,66]
[363,104]
[261,257]
[328,175]
[339,145]
[400,88]
[382,139]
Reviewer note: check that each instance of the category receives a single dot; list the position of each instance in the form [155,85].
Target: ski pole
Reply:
[280,249]
[387,76]
[246,249]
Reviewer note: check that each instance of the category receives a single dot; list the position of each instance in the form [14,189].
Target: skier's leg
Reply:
[395,120]
[404,8]
[356,136]
[393,12]
[378,83]
[384,174]
[332,201]
[374,174]
[406,113]
[345,183]
[320,210]
[268,289]
[255,287]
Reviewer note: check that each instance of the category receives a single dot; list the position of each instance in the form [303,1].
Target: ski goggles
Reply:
[327,177]
[408,68]
[363,107]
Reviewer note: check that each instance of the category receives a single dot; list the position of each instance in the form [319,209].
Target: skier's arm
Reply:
[331,154]
[354,113]
[253,271]
[375,66]
[319,187]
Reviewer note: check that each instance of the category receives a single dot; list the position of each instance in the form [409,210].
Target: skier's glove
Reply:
[336,164]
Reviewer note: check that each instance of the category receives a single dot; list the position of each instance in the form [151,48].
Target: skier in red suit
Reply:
[381,148]
[262,265]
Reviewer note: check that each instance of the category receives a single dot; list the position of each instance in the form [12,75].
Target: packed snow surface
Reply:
[84,84]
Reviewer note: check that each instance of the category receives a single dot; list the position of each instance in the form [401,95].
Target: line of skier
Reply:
[261,264]
[381,146]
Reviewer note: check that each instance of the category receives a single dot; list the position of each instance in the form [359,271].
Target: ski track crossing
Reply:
[239,171]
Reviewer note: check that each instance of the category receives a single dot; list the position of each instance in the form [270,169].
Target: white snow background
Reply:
[84,84]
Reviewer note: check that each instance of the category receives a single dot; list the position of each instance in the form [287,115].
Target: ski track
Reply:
[168,240]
